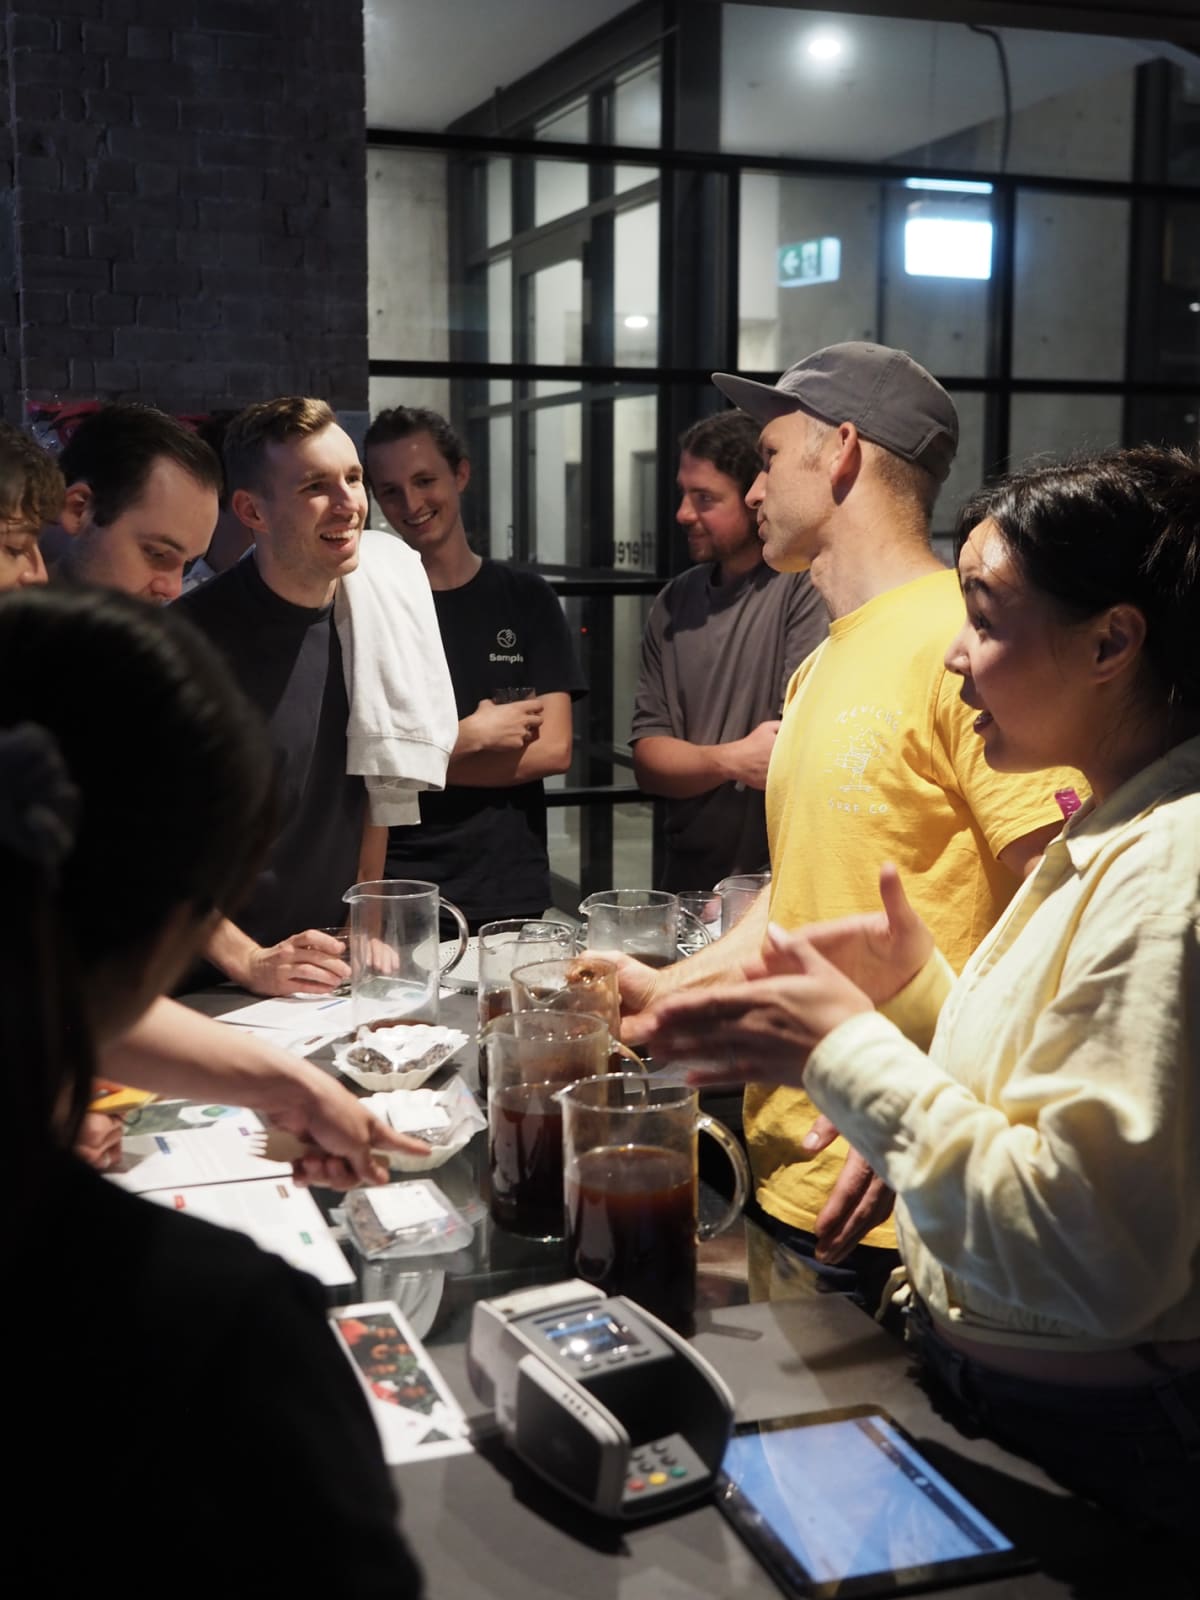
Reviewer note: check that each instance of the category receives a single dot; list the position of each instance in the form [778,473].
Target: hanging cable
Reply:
[1005,87]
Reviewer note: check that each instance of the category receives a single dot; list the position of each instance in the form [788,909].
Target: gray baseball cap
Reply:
[888,397]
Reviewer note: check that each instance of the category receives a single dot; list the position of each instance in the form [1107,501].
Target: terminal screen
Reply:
[588,1335]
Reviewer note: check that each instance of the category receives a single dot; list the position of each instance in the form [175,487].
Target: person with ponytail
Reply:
[135,798]
[1044,1145]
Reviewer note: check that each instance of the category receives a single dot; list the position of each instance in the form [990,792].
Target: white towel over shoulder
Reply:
[403,718]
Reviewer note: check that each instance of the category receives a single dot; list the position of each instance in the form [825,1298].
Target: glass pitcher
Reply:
[396,961]
[643,922]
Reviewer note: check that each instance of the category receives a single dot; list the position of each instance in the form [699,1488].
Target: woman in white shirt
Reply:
[1040,1118]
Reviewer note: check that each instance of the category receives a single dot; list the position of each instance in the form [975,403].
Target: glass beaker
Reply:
[504,945]
[395,949]
[642,922]
[738,893]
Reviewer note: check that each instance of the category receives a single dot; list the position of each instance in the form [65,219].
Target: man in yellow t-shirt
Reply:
[877,758]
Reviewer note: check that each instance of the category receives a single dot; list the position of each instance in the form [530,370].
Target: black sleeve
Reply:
[554,666]
[302,1454]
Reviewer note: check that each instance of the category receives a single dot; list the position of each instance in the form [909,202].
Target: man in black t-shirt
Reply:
[296,481]
[482,840]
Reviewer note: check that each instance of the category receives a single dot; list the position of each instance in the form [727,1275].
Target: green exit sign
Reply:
[808,261]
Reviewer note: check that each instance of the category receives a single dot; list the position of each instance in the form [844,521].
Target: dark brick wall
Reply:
[183,215]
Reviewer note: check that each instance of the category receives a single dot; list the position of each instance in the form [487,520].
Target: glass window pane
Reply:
[500,488]
[407,265]
[633,845]
[635,287]
[570,125]
[937,265]
[1166,335]
[635,483]
[859,88]
[808,266]
[555,473]
[562,838]
[499,200]
[1164,419]
[431,392]
[499,330]
[1051,427]
[555,308]
[632,833]
[559,187]
[1071,283]
[1183,117]
[637,119]
[967,473]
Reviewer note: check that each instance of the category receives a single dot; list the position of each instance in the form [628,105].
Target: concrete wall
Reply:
[184,202]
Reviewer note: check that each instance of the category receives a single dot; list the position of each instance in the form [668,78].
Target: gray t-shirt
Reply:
[716,659]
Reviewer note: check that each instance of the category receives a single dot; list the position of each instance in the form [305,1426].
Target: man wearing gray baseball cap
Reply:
[876,759]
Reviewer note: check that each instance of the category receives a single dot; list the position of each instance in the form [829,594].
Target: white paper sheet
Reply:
[225,1153]
[305,1015]
[272,1212]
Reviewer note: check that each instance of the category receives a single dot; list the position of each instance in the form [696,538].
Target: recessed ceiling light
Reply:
[825,46]
[1195,306]
[637,323]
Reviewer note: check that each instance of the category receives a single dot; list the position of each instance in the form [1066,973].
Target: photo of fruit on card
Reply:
[415,1412]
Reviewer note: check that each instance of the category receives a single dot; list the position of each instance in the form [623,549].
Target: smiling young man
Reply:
[482,840]
[721,642]
[295,480]
[141,501]
[877,757]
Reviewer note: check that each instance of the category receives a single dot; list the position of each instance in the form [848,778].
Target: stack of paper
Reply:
[216,1172]
[275,1214]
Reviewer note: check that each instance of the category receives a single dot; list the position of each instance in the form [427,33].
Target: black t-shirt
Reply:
[188,1401]
[486,848]
[288,661]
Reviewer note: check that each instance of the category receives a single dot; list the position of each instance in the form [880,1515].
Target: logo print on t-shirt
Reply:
[506,638]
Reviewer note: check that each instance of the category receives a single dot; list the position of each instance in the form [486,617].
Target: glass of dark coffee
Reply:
[532,1056]
[502,946]
[629,1163]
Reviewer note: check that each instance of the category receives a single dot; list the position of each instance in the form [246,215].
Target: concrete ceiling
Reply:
[899,83]
[431,61]
[896,84]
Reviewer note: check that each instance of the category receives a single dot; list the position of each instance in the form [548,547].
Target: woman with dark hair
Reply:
[134,799]
[1042,1132]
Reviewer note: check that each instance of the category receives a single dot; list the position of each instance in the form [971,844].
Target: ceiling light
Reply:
[1195,306]
[947,247]
[825,46]
[949,185]
[637,323]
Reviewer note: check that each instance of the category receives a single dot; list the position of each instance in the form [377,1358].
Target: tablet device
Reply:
[841,1503]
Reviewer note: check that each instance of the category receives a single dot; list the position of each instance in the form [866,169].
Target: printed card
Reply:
[416,1414]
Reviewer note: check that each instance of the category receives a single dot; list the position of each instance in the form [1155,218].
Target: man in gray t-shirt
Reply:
[721,643]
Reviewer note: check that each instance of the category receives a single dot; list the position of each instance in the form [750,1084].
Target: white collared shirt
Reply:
[1047,1149]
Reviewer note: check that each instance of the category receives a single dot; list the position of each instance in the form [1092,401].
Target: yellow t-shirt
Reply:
[876,761]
